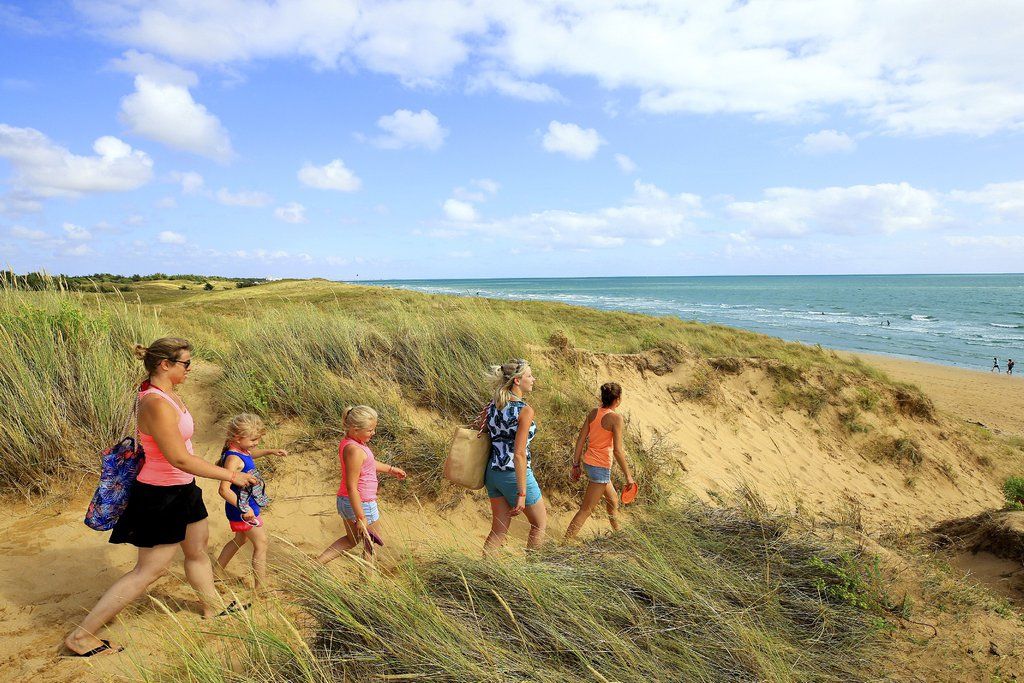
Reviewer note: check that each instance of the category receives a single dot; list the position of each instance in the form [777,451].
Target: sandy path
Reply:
[993,399]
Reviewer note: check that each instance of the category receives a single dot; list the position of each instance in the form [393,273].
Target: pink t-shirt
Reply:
[367,484]
[156,470]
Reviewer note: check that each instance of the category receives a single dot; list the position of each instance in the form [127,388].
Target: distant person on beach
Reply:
[165,510]
[511,486]
[1009,366]
[995,365]
[357,495]
[601,434]
[242,505]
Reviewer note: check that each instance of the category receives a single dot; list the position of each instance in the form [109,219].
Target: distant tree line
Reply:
[106,282]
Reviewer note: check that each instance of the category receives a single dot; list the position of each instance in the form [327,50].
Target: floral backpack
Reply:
[120,465]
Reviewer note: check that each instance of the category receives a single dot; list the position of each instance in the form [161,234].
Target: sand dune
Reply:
[54,568]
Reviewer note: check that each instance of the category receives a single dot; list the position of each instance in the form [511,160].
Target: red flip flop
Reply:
[629,493]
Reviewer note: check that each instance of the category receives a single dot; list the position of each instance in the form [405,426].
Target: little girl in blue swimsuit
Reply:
[511,486]
[242,506]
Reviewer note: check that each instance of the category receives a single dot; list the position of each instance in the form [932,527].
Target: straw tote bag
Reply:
[468,455]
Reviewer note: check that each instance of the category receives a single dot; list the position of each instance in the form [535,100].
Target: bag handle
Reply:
[481,419]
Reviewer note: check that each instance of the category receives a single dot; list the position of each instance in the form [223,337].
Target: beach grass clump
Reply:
[901,450]
[912,402]
[683,593]
[1013,493]
[67,383]
[701,387]
[850,419]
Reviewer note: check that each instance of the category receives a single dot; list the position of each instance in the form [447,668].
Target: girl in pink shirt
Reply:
[357,495]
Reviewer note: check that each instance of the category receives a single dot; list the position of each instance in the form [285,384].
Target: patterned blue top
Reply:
[502,426]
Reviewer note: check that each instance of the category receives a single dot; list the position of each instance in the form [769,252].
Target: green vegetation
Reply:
[1013,492]
[683,594]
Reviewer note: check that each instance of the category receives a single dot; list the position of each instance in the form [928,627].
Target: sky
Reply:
[503,138]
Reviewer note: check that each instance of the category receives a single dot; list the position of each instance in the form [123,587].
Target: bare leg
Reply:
[537,514]
[151,565]
[198,569]
[341,546]
[611,503]
[501,518]
[230,548]
[591,497]
[258,536]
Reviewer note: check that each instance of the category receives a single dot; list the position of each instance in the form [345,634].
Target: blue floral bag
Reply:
[121,464]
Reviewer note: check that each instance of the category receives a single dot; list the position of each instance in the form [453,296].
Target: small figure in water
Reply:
[995,364]
[1009,366]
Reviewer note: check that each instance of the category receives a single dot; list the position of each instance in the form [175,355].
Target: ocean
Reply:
[962,320]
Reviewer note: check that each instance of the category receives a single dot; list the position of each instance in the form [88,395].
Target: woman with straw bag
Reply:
[511,486]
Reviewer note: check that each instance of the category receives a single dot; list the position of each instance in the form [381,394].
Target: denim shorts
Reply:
[598,475]
[369,509]
[503,484]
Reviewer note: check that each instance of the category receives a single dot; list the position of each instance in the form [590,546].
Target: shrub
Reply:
[1013,492]
[208,287]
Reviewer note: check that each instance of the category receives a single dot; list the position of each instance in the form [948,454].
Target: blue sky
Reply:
[447,138]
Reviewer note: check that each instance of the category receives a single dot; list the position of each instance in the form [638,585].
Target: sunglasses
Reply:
[186,363]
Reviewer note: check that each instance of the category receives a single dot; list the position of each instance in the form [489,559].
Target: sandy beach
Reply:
[996,400]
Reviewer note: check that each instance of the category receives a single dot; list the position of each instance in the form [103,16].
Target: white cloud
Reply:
[247,198]
[170,237]
[22,233]
[156,69]
[78,251]
[45,169]
[191,182]
[855,210]
[166,112]
[292,212]
[906,67]
[484,189]
[506,84]
[75,232]
[333,176]
[489,186]
[1005,200]
[827,142]
[1007,242]
[571,140]
[167,203]
[456,210]
[650,216]
[406,129]
[626,165]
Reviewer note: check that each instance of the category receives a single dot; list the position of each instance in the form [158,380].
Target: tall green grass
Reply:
[67,378]
[684,593]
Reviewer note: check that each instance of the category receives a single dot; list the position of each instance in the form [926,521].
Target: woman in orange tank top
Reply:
[165,509]
[601,434]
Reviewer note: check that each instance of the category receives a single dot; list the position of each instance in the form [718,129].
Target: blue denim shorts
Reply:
[346,510]
[598,475]
[503,484]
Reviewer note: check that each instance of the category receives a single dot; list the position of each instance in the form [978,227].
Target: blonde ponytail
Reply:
[503,378]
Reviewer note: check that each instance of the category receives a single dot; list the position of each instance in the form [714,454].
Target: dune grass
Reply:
[304,350]
[684,593]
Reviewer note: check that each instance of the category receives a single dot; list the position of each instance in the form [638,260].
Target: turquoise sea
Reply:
[961,320]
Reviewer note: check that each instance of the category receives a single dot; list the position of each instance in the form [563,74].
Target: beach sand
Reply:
[996,400]
[53,568]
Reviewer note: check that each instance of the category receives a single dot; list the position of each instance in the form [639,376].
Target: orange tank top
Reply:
[600,442]
[156,470]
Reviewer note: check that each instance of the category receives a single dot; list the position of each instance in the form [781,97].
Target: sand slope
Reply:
[54,568]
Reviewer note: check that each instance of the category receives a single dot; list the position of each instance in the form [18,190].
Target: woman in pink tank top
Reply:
[602,436]
[357,495]
[165,509]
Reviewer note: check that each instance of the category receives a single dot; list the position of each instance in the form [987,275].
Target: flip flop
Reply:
[629,493]
[96,650]
[257,523]
[232,608]
[375,538]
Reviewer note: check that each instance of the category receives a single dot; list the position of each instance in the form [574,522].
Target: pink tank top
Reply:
[156,470]
[367,484]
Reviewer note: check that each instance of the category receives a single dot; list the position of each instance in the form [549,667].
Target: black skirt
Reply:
[158,515]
